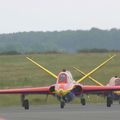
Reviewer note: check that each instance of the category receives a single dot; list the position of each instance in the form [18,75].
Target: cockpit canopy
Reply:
[117,82]
[64,77]
[114,81]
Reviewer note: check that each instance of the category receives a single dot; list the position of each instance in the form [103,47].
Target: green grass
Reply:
[16,71]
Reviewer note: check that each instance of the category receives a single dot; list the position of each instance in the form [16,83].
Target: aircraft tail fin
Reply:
[43,68]
[92,79]
[91,72]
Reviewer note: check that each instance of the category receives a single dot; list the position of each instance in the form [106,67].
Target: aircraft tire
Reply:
[109,101]
[83,101]
[119,101]
[26,104]
[22,99]
[62,104]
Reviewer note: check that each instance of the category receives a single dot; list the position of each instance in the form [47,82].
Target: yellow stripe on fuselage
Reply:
[62,92]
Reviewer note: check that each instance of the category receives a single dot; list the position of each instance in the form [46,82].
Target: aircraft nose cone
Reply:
[61,92]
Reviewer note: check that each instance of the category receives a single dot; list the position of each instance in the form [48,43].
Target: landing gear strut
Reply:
[83,101]
[25,102]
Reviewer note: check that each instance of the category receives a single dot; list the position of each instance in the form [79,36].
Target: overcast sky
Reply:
[51,15]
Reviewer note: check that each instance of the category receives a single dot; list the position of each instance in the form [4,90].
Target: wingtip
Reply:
[27,57]
[73,67]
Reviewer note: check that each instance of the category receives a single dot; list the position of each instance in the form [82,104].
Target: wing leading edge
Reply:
[99,88]
[36,90]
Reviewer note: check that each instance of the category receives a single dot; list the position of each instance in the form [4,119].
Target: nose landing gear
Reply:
[62,104]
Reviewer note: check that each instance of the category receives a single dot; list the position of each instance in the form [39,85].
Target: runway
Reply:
[70,112]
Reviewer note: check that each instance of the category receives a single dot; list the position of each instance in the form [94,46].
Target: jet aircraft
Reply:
[114,81]
[65,89]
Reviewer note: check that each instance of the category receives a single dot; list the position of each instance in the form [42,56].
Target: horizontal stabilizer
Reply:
[43,68]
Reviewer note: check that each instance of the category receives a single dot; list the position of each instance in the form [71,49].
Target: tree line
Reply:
[93,40]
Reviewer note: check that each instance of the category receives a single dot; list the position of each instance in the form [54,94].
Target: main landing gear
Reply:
[119,100]
[83,101]
[109,101]
[25,102]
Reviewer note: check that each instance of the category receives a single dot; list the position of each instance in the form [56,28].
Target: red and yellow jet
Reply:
[114,81]
[65,89]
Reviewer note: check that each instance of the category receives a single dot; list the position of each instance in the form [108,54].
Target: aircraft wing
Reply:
[35,90]
[98,89]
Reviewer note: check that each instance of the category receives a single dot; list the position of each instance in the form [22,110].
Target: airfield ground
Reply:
[70,112]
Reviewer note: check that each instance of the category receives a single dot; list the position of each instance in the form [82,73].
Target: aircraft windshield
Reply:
[62,78]
[117,82]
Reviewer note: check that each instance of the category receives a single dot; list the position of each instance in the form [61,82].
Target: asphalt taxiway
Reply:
[70,112]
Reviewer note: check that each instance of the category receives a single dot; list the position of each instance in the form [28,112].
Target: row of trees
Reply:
[95,50]
[63,41]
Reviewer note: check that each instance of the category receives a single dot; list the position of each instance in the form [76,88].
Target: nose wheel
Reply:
[62,104]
